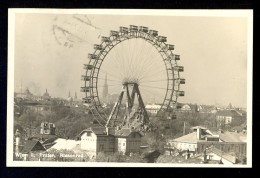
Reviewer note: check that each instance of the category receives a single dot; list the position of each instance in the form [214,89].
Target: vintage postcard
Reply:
[129,88]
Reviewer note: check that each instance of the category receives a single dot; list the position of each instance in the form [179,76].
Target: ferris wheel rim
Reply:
[115,38]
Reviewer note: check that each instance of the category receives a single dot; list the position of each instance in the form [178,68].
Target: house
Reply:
[99,139]
[225,117]
[127,141]
[152,109]
[30,147]
[191,140]
[108,140]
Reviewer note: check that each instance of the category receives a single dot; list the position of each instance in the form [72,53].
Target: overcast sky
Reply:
[213,52]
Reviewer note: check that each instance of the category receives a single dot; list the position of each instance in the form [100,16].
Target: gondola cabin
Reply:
[170,47]
[98,47]
[123,29]
[179,68]
[182,81]
[85,89]
[85,78]
[88,66]
[105,39]
[133,28]
[153,32]
[177,57]
[180,93]
[87,100]
[162,39]
[143,29]
[92,56]
[114,33]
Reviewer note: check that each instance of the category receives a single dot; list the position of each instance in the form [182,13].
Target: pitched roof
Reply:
[96,130]
[222,154]
[230,137]
[189,138]
[32,145]
[62,143]
[227,113]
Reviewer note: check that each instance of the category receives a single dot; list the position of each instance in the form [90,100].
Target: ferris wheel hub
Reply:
[129,80]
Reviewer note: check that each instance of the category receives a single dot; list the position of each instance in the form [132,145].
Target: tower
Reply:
[75,97]
[105,90]
[69,94]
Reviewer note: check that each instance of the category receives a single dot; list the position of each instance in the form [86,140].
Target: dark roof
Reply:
[32,145]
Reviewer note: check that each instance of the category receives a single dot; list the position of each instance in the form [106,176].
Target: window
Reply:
[123,144]
[88,134]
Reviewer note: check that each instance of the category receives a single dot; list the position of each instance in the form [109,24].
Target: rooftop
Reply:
[189,138]
[232,137]
[32,145]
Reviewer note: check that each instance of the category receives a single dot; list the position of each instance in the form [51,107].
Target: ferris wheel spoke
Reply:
[154,87]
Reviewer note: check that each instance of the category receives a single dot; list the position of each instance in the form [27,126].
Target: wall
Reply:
[106,143]
[236,147]
[121,145]
[133,143]
[88,142]
[184,146]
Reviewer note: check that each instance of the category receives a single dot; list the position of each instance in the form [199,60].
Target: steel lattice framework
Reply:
[101,50]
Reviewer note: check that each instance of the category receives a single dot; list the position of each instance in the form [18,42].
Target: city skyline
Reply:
[213,52]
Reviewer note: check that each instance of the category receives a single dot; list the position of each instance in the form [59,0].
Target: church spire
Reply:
[75,95]
[106,79]
[105,89]
[69,93]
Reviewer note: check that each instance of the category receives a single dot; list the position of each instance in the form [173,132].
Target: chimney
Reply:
[199,133]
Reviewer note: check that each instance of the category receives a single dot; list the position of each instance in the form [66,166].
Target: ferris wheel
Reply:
[138,64]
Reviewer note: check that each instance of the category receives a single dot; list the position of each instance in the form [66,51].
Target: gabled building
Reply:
[108,140]
[225,117]
[152,109]
[191,140]
[99,139]
[127,141]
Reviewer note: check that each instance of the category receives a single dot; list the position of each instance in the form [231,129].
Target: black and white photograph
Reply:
[129,88]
